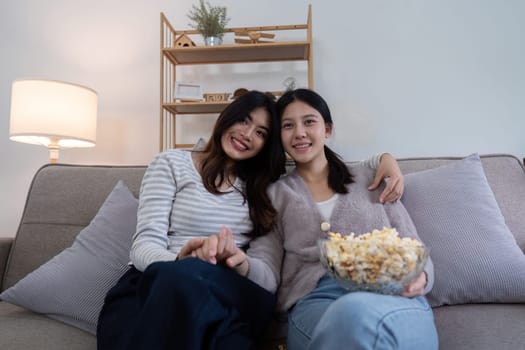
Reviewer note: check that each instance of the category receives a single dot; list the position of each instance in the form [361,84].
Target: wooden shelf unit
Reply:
[171,57]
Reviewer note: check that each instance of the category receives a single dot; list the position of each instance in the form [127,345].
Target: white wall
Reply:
[413,77]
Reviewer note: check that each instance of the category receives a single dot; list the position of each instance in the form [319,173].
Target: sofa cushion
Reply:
[61,201]
[475,256]
[506,176]
[72,285]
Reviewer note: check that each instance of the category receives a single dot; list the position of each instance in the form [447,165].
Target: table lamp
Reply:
[54,114]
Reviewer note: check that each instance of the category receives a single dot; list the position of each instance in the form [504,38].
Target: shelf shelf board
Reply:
[239,53]
[184,145]
[195,107]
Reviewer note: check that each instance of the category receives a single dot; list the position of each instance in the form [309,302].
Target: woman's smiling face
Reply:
[303,132]
[245,139]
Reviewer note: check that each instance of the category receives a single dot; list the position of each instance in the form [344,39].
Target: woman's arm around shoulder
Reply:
[386,168]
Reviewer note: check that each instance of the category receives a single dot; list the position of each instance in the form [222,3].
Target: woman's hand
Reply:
[213,249]
[208,251]
[221,248]
[417,287]
[189,248]
[239,262]
[388,168]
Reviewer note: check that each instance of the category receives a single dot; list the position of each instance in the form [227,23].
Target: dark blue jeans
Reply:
[186,304]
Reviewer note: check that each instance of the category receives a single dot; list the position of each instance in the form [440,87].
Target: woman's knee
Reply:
[367,318]
[184,268]
[353,308]
[362,305]
[170,276]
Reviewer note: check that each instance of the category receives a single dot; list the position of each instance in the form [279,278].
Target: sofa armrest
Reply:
[5,248]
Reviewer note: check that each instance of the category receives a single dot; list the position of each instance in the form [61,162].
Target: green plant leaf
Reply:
[208,20]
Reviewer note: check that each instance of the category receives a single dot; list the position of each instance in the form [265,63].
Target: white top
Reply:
[326,207]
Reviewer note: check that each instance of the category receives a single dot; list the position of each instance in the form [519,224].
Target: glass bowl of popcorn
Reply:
[379,261]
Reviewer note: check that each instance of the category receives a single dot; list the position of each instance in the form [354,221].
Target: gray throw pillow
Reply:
[476,258]
[71,286]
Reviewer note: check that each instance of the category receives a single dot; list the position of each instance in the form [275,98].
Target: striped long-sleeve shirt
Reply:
[174,207]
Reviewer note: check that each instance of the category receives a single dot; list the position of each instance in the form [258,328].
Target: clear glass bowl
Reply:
[379,268]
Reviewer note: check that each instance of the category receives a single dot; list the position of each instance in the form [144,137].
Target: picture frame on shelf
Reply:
[188,92]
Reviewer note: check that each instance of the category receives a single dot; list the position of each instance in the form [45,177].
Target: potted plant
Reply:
[210,21]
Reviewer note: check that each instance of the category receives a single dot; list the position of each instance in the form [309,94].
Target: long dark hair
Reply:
[338,173]
[257,172]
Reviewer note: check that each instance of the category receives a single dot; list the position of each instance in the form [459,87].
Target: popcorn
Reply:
[378,258]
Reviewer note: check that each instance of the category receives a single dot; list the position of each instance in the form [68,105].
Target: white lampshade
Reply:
[54,114]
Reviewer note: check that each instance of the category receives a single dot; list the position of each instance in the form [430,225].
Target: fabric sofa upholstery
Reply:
[63,199]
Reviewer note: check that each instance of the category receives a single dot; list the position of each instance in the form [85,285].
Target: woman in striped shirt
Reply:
[164,301]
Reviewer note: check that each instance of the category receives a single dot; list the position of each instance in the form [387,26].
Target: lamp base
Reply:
[53,153]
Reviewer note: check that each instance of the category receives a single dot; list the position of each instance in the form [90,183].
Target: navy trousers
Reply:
[186,304]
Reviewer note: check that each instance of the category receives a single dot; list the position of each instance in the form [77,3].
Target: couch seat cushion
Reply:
[481,326]
[22,329]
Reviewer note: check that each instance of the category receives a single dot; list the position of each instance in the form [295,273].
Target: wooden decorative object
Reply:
[222,97]
[238,92]
[183,41]
[254,37]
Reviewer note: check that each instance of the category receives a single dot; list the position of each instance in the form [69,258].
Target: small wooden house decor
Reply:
[254,37]
[183,41]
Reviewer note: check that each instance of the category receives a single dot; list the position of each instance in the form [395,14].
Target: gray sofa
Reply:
[63,199]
